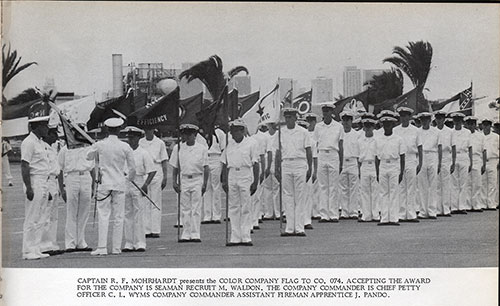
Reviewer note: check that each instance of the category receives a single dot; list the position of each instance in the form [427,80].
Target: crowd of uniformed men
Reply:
[390,168]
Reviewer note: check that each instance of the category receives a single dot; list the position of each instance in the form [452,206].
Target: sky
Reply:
[73,41]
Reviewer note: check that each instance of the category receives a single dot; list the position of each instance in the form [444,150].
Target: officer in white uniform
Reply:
[490,177]
[156,148]
[50,215]
[478,165]
[348,181]
[114,156]
[191,169]
[270,193]
[260,138]
[35,173]
[329,134]
[461,165]
[296,170]
[368,186]
[240,178]
[134,234]
[390,165]
[311,118]
[212,198]
[6,148]
[431,166]
[413,164]
[76,173]
[443,195]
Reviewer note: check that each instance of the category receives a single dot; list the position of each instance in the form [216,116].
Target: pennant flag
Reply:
[189,107]
[461,102]
[208,115]
[247,102]
[71,135]
[413,99]
[355,104]
[303,102]
[160,112]
[265,111]
[229,112]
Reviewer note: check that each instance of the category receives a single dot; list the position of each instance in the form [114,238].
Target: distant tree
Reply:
[27,95]
[387,85]
[415,61]
[10,65]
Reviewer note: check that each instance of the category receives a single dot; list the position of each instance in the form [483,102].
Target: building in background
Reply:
[322,90]
[242,83]
[352,81]
[192,88]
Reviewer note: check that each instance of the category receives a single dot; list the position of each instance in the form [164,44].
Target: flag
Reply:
[355,104]
[247,102]
[265,111]
[115,107]
[413,99]
[287,100]
[160,112]
[303,102]
[209,115]
[189,107]
[71,135]
[461,102]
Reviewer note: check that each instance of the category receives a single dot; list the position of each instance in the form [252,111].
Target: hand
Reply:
[268,172]
[308,175]
[400,177]
[278,176]
[164,183]
[203,189]
[452,168]
[483,170]
[439,168]
[314,177]
[145,188]
[63,195]
[176,187]
[225,187]
[470,168]
[419,167]
[253,188]
[261,179]
[30,194]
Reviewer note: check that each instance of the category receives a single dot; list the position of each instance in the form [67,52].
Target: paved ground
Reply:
[460,241]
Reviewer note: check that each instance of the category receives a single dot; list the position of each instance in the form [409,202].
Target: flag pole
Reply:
[178,178]
[226,175]
[280,167]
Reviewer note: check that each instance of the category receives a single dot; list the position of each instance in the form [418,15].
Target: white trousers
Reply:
[388,179]
[369,192]
[191,206]
[309,202]
[348,183]
[490,184]
[315,199]
[134,231]
[328,179]
[294,193]
[240,204]
[32,226]
[152,216]
[212,197]
[407,191]
[6,168]
[111,209]
[443,196]
[270,196]
[257,210]
[427,182]
[78,202]
[50,216]
[475,180]
[460,178]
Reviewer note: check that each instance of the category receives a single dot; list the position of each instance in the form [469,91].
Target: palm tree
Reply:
[385,86]
[414,61]
[10,63]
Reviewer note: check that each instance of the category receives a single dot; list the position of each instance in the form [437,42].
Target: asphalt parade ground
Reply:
[459,241]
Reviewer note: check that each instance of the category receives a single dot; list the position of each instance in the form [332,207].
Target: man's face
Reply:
[41,128]
[368,127]
[51,136]
[263,128]
[237,132]
[426,122]
[486,127]
[133,139]
[347,122]
[440,120]
[327,112]
[290,119]
[150,133]
[387,125]
[405,117]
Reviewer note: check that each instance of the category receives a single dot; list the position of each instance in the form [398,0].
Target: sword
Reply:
[145,194]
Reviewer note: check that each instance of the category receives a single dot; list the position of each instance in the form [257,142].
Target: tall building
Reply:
[322,90]
[192,88]
[368,75]
[352,81]
[242,83]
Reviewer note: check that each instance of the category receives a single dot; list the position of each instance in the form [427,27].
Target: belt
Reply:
[239,168]
[490,158]
[213,154]
[327,151]
[293,158]
[430,151]
[369,162]
[52,176]
[78,172]
[389,161]
[350,159]
[190,176]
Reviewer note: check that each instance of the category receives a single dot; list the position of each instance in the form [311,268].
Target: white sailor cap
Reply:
[114,122]
[303,123]
[388,119]
[448,120]
[440,113]
[133,130]
[457,115]
[386,112]
[369,120]
[290,111]
[310,116]
[346,114]
[39,111]
[424,115]
[188,126]
[356,120]
[237,123]
[368,116]
[405,109]
[328,104]
[486,120]
[470,118]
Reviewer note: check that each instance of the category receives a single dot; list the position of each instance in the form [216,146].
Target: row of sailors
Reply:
[375,173]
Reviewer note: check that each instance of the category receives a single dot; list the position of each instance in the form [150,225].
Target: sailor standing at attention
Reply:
[390,165]
[311,118]
[413,164]
[260,138]
[329,134]
[443,195]
[478,165]
[461,165]
[350,172]
[114,156]
[490,177]
[191,169]
[241,165]
[156,148]
[296,157]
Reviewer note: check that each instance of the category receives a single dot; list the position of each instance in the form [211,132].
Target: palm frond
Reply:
[231,73]
[209,72]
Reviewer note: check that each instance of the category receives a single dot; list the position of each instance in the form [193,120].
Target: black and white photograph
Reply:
[249,153]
